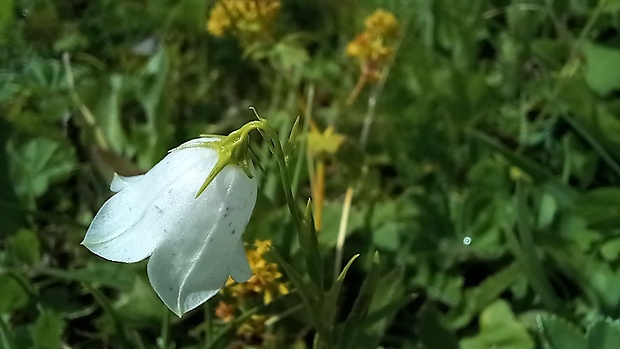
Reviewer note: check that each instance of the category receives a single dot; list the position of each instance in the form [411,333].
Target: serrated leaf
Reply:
[560,334]
[37,164]
[604,334]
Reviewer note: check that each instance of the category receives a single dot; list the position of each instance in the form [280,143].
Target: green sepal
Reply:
[233,149]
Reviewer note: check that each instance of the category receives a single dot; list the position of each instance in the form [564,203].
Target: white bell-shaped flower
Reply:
[191,233]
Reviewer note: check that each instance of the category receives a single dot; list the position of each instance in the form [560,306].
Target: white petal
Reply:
[192,265]
[240,267]
[133,222]
[121,182]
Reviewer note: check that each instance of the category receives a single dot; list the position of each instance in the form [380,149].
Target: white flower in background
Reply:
[191,233]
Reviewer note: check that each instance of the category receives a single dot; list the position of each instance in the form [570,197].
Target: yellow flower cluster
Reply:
[373,46]
[266,278]
[246,16]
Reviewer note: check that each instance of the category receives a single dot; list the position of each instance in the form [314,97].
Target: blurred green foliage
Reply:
[489,182]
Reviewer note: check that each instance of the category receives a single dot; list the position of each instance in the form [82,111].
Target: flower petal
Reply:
[240,267]
[121,182]
[133,222]
[193,265]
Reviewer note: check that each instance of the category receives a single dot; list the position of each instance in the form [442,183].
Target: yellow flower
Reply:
[382,23]
[373,48]
[324,143]
[359,47]
[248,16]
[219,21]
[266,278]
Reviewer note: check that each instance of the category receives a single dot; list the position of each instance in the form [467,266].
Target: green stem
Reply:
[107,307]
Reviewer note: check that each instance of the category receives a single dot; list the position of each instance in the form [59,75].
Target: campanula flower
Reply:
[187,215]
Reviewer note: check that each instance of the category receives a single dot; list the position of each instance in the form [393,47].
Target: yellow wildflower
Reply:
[372,48]
[219,21]
[382,23]
[247,16]
[266,278]
[324,143]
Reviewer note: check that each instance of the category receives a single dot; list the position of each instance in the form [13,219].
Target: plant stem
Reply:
[342,231]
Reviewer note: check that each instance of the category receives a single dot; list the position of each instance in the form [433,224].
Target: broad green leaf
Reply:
[332,211]
[499,329]
[604,334]
[25,246]
[12,294]
[601,71]
[141,306]
[560,334]
[47,330]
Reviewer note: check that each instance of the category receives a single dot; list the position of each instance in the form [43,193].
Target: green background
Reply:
[499,122]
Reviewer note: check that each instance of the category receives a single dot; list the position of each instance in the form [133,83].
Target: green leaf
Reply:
[487,292]
[601,71]
[37,164]
[107,274]
[533,169]
[604,334]
[353,324]
[11,216]
[7,18]
[432,331]
[12,294]
[25,246]
[560,334]
[499,329]
[387,300]
[330,305]
[332,212]
[599,207]
[107,110]
[307,292]
[47,330]
[309,244]
[141,306]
